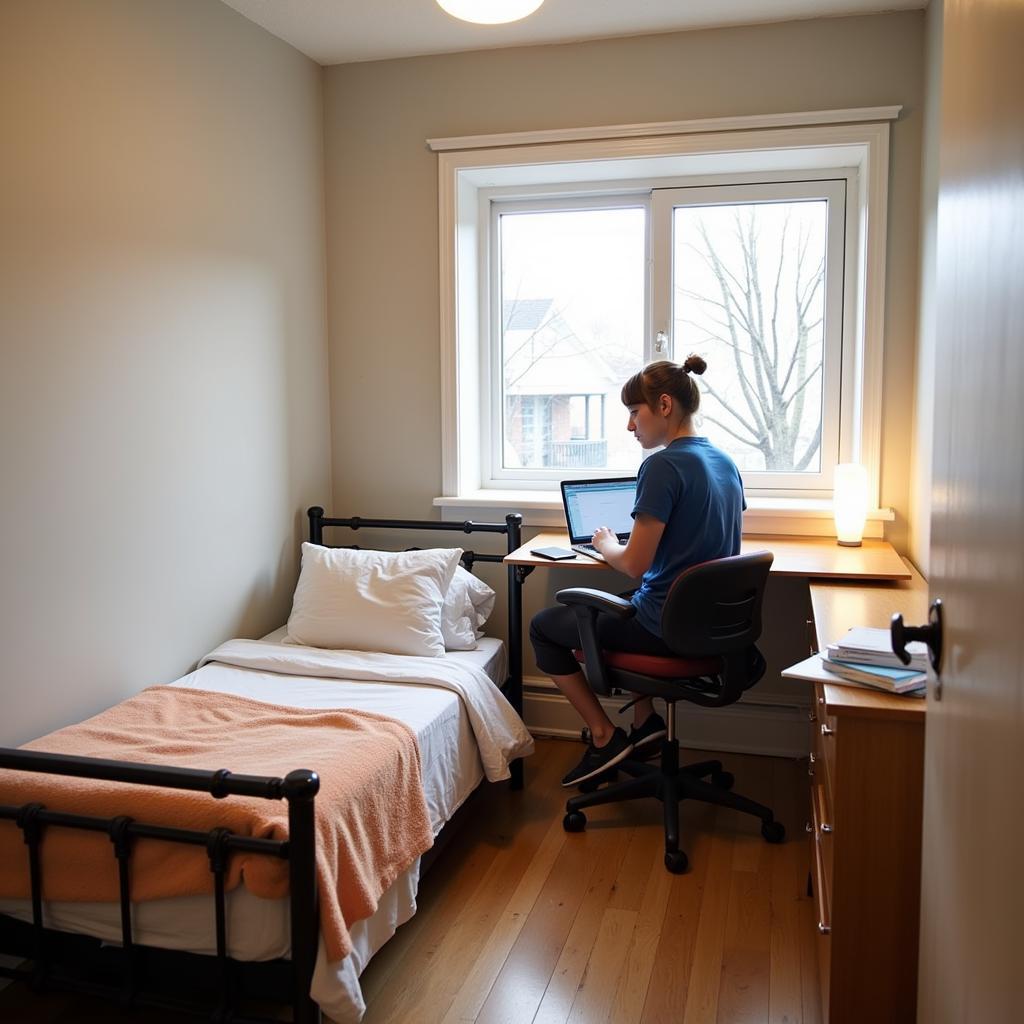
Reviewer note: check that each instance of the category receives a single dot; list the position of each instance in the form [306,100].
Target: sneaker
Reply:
[645,737]
[600,759]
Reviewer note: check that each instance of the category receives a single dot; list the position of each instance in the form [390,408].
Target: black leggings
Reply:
[554,635]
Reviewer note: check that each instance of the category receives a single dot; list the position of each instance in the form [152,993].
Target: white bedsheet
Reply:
[257,929]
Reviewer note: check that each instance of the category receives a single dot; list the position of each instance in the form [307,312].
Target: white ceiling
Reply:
[340,31]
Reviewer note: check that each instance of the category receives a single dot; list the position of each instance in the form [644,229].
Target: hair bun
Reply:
[694,364]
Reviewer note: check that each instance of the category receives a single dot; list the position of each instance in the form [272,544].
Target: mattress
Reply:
[257,929]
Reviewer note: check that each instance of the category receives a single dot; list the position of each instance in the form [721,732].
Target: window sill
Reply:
[794,517]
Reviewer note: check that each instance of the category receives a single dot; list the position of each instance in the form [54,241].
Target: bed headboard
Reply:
[512,528]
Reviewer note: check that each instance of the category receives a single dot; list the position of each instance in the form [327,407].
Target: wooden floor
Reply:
[519,922]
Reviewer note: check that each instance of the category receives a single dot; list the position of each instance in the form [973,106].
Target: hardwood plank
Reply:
[491,955]
[628,1005]
[601,978]
[785,994]
[669,988]
[646,842]
[519,988]
[705,975]
[746,957]
[572,961]
[517,831]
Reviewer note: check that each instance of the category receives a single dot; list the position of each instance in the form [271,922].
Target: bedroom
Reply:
[204,231]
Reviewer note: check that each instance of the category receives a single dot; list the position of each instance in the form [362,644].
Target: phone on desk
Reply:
[555,554]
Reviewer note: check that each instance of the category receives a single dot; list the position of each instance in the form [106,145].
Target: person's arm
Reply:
[636,556]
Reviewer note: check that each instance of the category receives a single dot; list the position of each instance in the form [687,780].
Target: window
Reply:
[751,278]
[566,264]
[748,275]
[568,329]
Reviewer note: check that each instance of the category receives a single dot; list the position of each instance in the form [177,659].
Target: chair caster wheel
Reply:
[773,831]
[574,821]
[723,780]
[676,861]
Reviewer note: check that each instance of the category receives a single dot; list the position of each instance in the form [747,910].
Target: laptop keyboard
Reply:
[588,549]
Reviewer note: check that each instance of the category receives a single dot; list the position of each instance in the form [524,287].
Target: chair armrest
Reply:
[598,600]
[586,605]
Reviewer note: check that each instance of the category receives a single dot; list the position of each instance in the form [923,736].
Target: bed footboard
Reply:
[299,788]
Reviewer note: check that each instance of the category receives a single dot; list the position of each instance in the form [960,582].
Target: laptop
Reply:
[592,503]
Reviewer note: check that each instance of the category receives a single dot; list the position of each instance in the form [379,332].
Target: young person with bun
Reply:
[689,508]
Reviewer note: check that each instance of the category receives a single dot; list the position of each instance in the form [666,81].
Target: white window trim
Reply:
[464,173]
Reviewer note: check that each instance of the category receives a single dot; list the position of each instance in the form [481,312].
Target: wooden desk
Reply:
[865,819]
[813,557]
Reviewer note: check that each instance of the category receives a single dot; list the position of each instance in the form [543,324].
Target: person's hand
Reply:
[604,536]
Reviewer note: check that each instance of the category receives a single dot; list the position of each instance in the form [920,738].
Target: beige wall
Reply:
[163,397]
[382,203]
[924,391]
[383,244]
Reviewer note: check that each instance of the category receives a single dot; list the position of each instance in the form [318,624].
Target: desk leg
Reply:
[516,575]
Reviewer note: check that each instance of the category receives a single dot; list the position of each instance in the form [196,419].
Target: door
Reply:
[972,944]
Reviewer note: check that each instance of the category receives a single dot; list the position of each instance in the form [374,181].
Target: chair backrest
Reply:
[715,607]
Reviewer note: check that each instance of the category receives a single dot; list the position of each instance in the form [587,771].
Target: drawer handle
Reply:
[810,766]
[818,812]
[811,716]
[826,731]
[824,924]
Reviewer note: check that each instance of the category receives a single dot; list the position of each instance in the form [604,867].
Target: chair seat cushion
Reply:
[657,666]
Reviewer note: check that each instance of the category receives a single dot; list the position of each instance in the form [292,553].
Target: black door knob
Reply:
[930,634]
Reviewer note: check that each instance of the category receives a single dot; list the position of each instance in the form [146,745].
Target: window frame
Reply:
[531,165]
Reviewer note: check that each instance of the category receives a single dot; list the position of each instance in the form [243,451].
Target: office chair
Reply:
[711,619]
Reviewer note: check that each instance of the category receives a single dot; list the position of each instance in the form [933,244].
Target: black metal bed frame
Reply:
[133,965]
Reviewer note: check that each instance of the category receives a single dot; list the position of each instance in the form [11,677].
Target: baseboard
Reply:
[772,727]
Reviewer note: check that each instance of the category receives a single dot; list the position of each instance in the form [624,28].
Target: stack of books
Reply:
[865,656]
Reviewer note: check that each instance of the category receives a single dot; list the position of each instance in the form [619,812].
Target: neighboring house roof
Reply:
[524,314]
[545,356]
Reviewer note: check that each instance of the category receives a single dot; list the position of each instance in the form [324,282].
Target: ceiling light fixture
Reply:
[489,12]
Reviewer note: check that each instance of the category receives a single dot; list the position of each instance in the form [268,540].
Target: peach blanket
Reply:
[371,815]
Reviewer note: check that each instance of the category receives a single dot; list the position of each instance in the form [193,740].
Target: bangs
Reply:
[633,390]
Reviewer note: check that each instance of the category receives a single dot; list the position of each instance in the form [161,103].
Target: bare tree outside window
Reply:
[749,296]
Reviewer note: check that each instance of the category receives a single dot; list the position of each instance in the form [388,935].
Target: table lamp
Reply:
[850,503]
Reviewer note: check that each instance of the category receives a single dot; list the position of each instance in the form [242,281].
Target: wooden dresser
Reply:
[867,770]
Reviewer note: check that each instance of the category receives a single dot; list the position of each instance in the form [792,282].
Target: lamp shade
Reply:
[490,12]
[850,502]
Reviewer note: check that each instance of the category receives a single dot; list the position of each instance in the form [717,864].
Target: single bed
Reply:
[450,731]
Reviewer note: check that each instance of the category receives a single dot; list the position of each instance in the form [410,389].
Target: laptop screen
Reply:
[593,503]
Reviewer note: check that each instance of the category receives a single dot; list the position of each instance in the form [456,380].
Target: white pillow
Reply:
[387,601]
[467,605]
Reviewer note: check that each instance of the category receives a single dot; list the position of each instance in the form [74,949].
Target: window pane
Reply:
[748,295]
[572,290]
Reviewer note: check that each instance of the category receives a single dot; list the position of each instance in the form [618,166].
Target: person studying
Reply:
[687,509]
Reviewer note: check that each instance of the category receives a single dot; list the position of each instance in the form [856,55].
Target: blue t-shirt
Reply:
[696,491]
